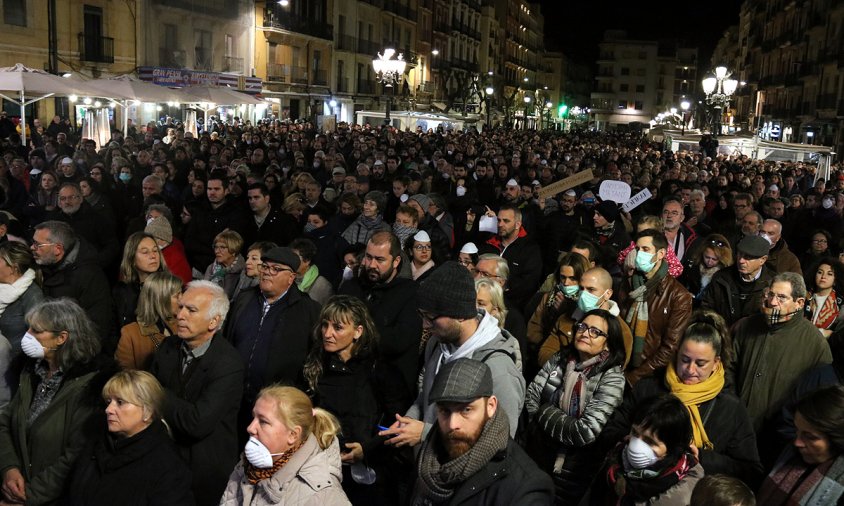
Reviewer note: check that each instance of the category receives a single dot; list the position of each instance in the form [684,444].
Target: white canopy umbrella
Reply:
[36,83]
[126,90]
[209,97]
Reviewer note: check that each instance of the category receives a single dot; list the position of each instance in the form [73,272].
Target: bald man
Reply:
[780,258]
[596,290]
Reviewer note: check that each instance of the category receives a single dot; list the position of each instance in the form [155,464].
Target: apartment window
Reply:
[341,26]
[622,104]
[229,45]
[625,71]
[640,88]
[640,72]
[638,105]
[14,12]
[203,46]
[624,87]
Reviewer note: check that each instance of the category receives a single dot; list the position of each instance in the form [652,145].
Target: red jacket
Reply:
[177,262]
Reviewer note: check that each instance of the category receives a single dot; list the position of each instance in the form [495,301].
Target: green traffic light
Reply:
[562,111]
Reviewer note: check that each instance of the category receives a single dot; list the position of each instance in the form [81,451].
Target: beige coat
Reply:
[311,478]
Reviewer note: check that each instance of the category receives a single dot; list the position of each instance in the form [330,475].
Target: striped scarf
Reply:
[637,315]
[792,483]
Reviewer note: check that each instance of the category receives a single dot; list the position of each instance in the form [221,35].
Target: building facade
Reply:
[638,79]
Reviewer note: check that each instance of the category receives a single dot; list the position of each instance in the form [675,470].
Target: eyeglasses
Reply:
[719,244]
[819,241]
[422,247]
[273,269]
[591,332]
[782,299]
[68,198]
[465,263]
[36,245]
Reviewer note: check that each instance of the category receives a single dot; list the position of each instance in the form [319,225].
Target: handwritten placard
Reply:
[636,200]
[562,185]
[616,191]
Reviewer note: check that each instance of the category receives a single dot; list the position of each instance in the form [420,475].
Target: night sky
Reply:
[576,26]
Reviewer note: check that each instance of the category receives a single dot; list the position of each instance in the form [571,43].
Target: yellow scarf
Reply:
[694,395]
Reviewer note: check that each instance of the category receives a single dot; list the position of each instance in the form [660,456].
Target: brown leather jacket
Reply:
[669,308]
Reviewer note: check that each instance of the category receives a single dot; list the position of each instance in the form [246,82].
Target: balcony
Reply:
[343,85]
[366,87]
[172,58]
[233,64]
[216,9]
[399,9]
[367,47]
[96,49]
[204,58]
[441,26]
[345,43]
[320,77]
[278,73]
[827,101]
[276,18]
[299,75]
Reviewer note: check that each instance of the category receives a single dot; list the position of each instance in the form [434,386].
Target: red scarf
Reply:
[829,311]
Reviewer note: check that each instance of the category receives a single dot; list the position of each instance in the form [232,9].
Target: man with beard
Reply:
[470,446]
[458,329]
[562,226]
[392,302]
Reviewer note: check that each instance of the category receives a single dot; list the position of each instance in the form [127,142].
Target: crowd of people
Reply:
[268,314]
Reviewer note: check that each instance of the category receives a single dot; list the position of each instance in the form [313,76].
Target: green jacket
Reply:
[768,362]
[45,452]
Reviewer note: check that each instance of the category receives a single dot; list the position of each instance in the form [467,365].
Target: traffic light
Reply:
[562,112]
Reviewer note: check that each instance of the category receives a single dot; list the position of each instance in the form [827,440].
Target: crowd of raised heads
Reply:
[269,314]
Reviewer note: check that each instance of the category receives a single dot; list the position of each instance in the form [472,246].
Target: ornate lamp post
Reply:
[488,99]
[684,105]
[719,88]
[388,71]
[527,104]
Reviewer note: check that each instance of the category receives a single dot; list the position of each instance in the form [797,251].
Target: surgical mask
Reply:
[645,261]
[588,302]
[363,474]
[257,454]
[309,227]
[461,191]
[316,165]
[639,454]
[125,177]
[570,291]
[827,203]
[31,347]
[469,165]
[348,273]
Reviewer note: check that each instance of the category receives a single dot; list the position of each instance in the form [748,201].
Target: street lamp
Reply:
[548,106]
[388,71]
[527,104]
[488,99]
[333,104]
[684,105]
[718,89]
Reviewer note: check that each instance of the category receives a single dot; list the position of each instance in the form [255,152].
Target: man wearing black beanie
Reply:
[446,304]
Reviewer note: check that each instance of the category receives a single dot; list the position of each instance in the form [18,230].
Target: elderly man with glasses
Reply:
[270,326]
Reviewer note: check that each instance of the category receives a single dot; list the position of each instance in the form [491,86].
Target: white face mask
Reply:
[638,454]
[257,454]
[348,273]
[461,191]
[31,347]
[827,203]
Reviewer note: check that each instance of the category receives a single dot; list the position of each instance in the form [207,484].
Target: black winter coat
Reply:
[393,308]
[202,412]
[725,419]
[204,226]
[98,229]
[723,295]
[511,477]
[79,277]
[143,470]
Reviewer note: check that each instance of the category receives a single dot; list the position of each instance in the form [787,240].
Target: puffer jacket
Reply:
[552,433]
[669,308]
[311,478]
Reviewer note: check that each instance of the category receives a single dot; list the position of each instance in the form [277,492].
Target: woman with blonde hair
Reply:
[157,307]
[228,262]
[134,462]
[292,456]
[490,298]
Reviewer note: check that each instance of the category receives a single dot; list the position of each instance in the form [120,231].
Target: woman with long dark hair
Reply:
[826,295]
[570,401]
